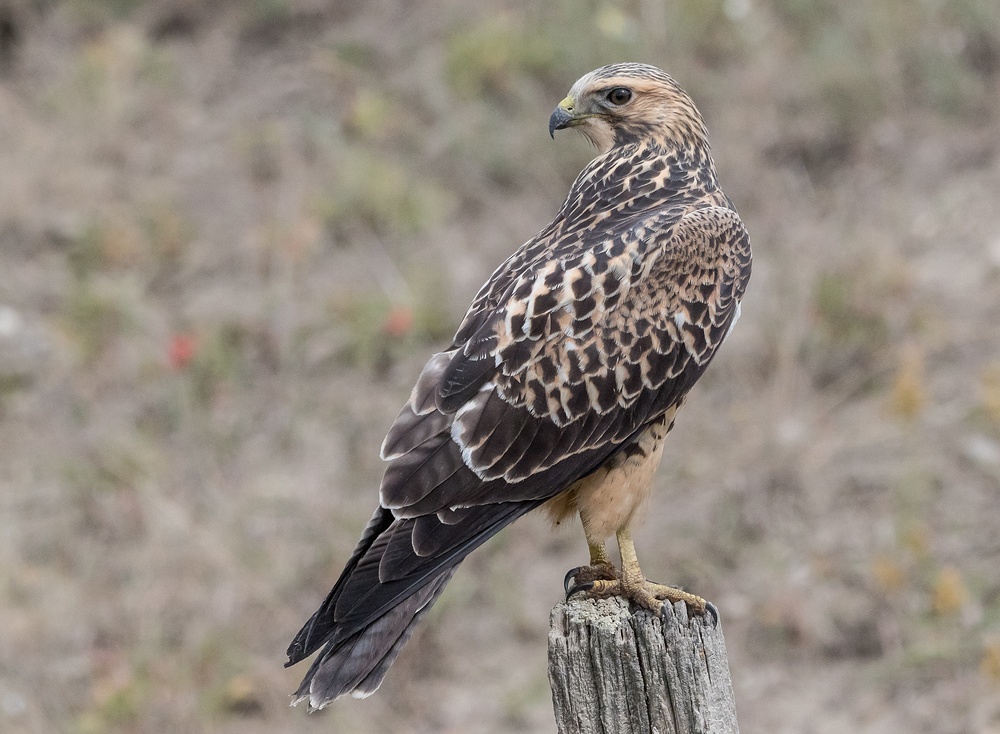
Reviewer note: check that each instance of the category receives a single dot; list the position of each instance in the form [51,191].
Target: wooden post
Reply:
[617,672]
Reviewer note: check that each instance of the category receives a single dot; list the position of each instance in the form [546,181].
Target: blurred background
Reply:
[232,232]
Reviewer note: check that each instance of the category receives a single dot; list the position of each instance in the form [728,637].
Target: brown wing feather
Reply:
[658,300]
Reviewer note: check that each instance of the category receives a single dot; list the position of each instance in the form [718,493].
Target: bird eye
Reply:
[619,96]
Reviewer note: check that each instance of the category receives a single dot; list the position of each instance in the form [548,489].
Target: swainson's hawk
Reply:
[561,383]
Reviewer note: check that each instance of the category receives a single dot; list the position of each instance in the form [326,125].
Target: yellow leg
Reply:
[598,554]
[631,573]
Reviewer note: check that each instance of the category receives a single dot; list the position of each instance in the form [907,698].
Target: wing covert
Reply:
[583,352]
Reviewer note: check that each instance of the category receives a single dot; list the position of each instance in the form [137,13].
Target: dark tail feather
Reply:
[369,615]
[358,664]
[316,632]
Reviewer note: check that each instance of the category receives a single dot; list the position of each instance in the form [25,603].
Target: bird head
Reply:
[627,103]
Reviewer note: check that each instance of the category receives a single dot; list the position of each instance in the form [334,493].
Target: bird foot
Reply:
[582,578]
[646,594]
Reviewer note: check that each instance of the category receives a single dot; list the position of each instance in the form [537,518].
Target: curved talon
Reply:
[595,572]
[712,611]
[569,575]
[576,588]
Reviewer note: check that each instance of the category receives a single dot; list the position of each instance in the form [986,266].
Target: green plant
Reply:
[380,195]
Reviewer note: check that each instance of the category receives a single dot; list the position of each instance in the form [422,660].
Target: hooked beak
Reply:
[562,117]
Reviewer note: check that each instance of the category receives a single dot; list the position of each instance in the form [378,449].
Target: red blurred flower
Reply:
[398,321]
[181,351]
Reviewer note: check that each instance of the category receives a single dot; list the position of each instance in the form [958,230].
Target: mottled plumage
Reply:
[562,380]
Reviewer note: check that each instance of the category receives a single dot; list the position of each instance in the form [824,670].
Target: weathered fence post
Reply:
[617,672]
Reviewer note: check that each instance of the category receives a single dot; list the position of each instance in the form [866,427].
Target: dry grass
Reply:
[231,233]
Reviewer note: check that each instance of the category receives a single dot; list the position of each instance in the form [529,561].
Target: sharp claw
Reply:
[576,588]
[569,575]
[713,611]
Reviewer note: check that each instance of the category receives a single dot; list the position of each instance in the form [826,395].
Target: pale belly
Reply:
[609,498]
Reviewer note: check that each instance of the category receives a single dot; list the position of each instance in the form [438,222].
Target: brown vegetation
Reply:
[231,232]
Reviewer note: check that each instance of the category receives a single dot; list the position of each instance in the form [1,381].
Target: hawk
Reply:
[560,385]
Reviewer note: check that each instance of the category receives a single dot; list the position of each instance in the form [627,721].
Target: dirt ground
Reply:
[231,233]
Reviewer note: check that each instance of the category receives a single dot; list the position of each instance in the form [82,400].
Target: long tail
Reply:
[358,664]
[382,593]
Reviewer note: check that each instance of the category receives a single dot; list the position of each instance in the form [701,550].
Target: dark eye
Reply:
[619,96]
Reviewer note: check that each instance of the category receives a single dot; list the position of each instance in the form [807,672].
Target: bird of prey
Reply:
[560,385]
